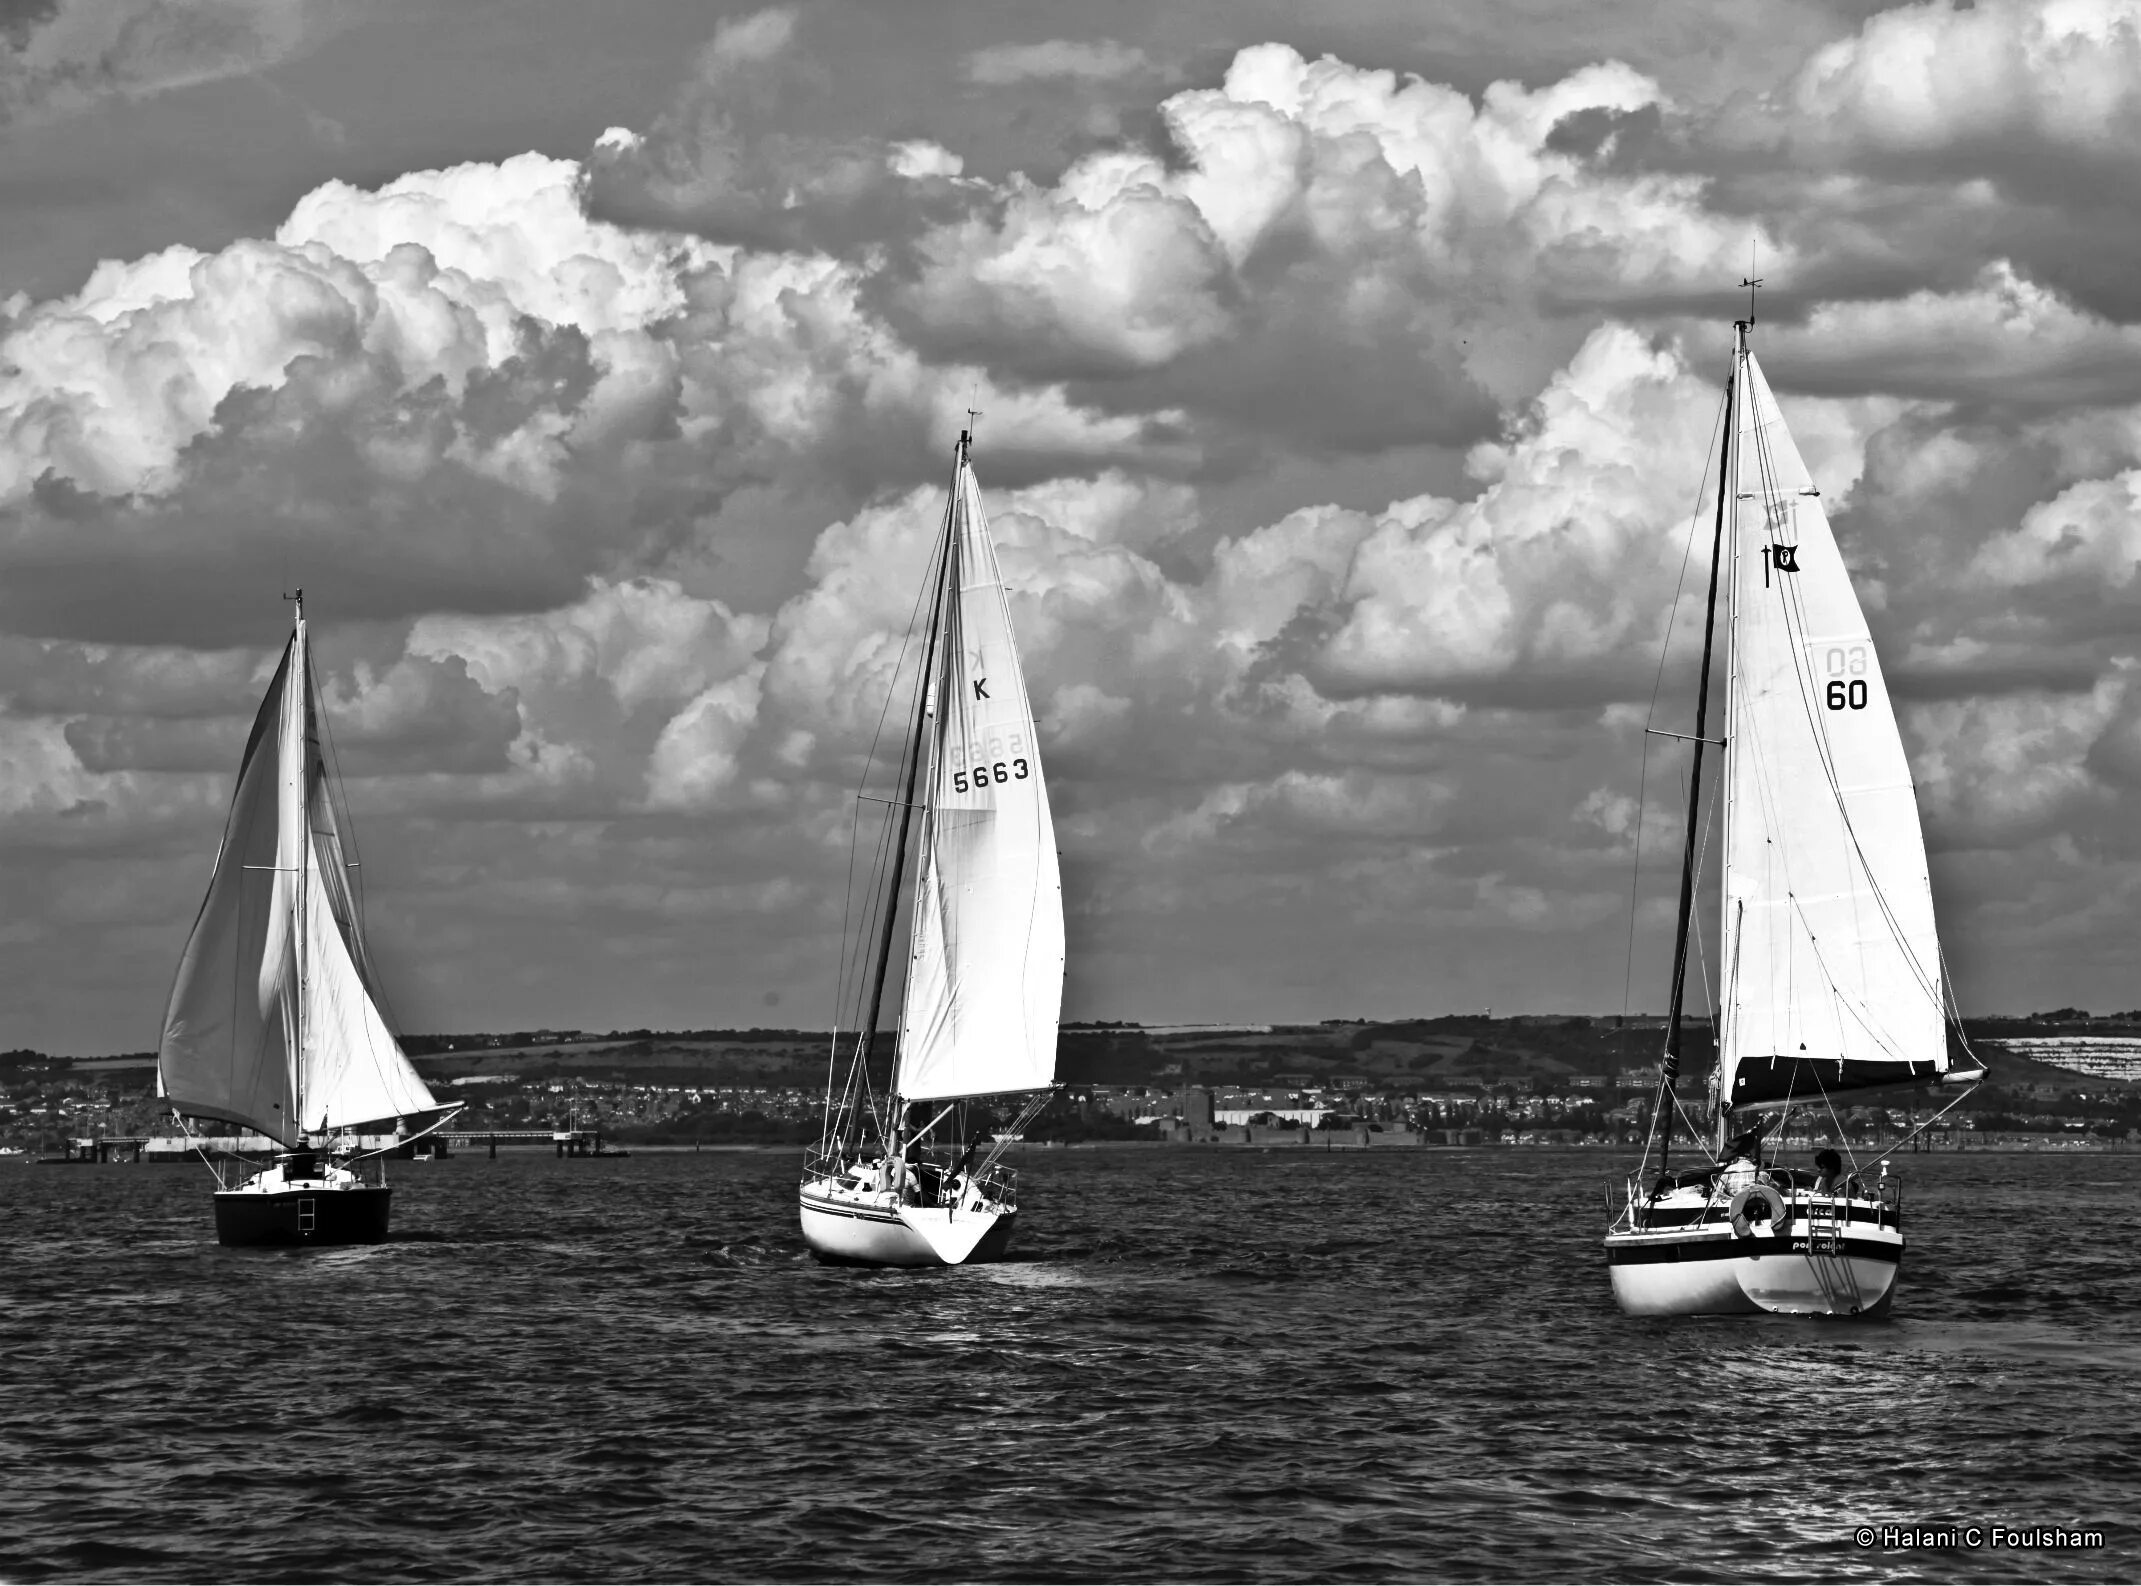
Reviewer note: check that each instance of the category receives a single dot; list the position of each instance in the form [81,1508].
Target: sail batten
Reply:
[1836,983]
[272,1023]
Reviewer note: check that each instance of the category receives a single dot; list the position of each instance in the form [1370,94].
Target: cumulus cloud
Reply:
[638,688]
[1943,82]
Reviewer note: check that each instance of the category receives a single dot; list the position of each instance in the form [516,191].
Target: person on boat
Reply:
[1830,1170]
[1745,1147]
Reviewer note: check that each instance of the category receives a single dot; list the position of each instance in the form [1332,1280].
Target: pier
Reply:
[104,1148]
[568,1142]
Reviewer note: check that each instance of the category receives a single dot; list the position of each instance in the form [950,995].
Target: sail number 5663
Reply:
[1847,678]
[996,759]
[983,775]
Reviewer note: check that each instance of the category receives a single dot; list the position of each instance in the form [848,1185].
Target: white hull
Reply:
[875,1229]
[1734,1242]
[1718,1275]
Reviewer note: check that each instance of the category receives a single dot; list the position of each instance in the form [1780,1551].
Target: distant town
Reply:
[2064,1079]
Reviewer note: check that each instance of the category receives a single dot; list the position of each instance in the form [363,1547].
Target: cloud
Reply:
[1993,772]
[1936,79]
[638,690]
[1342,434]
[2003,340]
[59,57]
[1561,567]
[1096,60]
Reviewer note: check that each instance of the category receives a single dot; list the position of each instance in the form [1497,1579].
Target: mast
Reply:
[301,680]
[1669,1067]
[1727,1009]
[914,768]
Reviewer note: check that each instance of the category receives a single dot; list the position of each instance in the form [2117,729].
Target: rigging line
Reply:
[876,737]
[932,661]
[1895,1146]
[1657,686]
[1952,1004]
[1709,829]
[1839,996]
[854,962]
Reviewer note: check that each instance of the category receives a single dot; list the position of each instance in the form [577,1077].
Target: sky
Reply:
[1346,381]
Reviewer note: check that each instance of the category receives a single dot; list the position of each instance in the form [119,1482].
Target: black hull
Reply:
[353,1216]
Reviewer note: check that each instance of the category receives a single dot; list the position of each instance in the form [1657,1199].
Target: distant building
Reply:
[1227,1117]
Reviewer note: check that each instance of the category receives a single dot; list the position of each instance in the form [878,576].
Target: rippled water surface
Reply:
[1200,1364]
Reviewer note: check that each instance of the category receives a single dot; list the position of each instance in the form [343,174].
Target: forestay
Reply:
[257,1030]
[985,977]
[1831,968]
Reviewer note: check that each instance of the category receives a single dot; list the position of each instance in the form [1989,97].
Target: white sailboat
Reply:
[891,1183]
[1832,981]
[273,1024]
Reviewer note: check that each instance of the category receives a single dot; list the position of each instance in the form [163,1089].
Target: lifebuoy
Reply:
[1742,1224]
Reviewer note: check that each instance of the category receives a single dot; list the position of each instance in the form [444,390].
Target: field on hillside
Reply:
[1411,1056]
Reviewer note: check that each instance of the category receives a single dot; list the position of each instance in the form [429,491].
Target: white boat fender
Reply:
[1742,1224]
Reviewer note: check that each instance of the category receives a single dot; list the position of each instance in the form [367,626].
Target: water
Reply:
[1201,1364]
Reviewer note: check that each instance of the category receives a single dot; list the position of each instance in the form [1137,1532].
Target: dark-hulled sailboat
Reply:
[1833,987]
[273,1023]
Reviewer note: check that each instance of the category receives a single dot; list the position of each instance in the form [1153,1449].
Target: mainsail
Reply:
[1832,971]
[985,974]
[272,1022]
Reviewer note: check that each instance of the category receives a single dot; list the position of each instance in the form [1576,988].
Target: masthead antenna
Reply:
[1751,281]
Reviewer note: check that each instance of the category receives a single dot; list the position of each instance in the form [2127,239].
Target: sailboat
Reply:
[901,1179]
[1832,985]
[274,1021]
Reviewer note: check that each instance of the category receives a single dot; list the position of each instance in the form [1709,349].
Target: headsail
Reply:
[1832,971]
[985,978]
[355,1073]
[271,1014]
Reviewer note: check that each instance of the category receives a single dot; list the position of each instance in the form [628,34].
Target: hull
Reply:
[848,1233]
[1689,1272]
[311,1215]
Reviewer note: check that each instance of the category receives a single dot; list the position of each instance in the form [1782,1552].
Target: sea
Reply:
[1199,1363]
